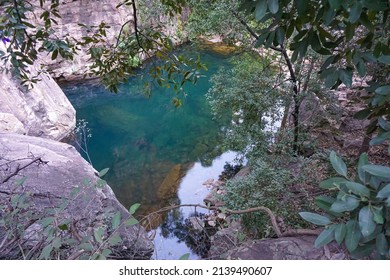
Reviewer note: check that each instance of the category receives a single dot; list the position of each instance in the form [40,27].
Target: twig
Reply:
[18,168]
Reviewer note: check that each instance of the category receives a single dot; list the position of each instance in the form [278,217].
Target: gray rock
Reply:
[50,182]
[43,111]
[9,123]
[286,248]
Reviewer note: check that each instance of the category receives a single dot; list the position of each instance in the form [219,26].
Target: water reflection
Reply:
[173,238]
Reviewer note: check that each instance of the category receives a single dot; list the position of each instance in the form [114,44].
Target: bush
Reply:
[263,186]
[358,215]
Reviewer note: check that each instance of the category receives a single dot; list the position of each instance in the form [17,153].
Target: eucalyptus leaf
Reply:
[381,244]
[384,192]
[134,208]
[345,76]
[338,164]
[366,221]
[131,222]
[363,160]
[98,233]
[332,183]
[185,257]
[261,9]
[325,237]
[353,235]
[380,138]
[377,170]
[103,172]
[350,203]
[340,233]
[358,189]
[315,218]
[116,220]
[114,240]
[273,6]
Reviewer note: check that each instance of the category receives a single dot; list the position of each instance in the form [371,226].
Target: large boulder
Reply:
[57,183]
[42,111]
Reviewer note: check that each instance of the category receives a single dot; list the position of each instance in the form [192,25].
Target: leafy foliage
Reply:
[55,235]
[25,36]
[266,186]
[358,214]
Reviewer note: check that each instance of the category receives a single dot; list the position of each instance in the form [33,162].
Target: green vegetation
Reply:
[288,46]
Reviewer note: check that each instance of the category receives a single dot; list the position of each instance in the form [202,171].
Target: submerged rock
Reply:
[170,185]
[60,184]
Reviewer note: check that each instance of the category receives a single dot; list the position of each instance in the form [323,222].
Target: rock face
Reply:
[88,12]
[43,111]
[61,185]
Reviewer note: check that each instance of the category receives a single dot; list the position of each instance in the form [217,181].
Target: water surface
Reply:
[148,144]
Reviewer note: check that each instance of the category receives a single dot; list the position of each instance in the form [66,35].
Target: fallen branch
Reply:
[263,209]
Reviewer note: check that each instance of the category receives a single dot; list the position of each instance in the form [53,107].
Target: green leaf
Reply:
[377,170]
[46,221]
[335,4]
[86,246]
[301,6]
[349,204]
[315,218]
[324,202]
[384,193]
[261,9]
[106,253]
[134,208]
[355,12]
[340,233]
[98,233]
[116,220]
[45,254]
[185,257]
[63,227]
[338,164]
[361,68]
[273,6]
[325,237]
[384,124]
[363,114]
[131,222]
[381,244]
[366,221]
[315,42]
[103,172]
[280,35]
[384,59]
[383,90]
[353,235]
[54,55]
[378,217]
[358,189]
[380,139]
[345,76]
[363,160]
[332,183]
[114,240]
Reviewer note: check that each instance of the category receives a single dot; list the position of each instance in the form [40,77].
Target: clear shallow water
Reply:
[148,142]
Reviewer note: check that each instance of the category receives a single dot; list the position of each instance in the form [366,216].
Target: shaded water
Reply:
[149,145]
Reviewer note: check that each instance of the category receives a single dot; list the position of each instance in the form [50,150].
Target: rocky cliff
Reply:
[48,185]
[42,111]
[90,13]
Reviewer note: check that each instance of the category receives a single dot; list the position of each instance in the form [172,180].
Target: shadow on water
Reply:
[157,154]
